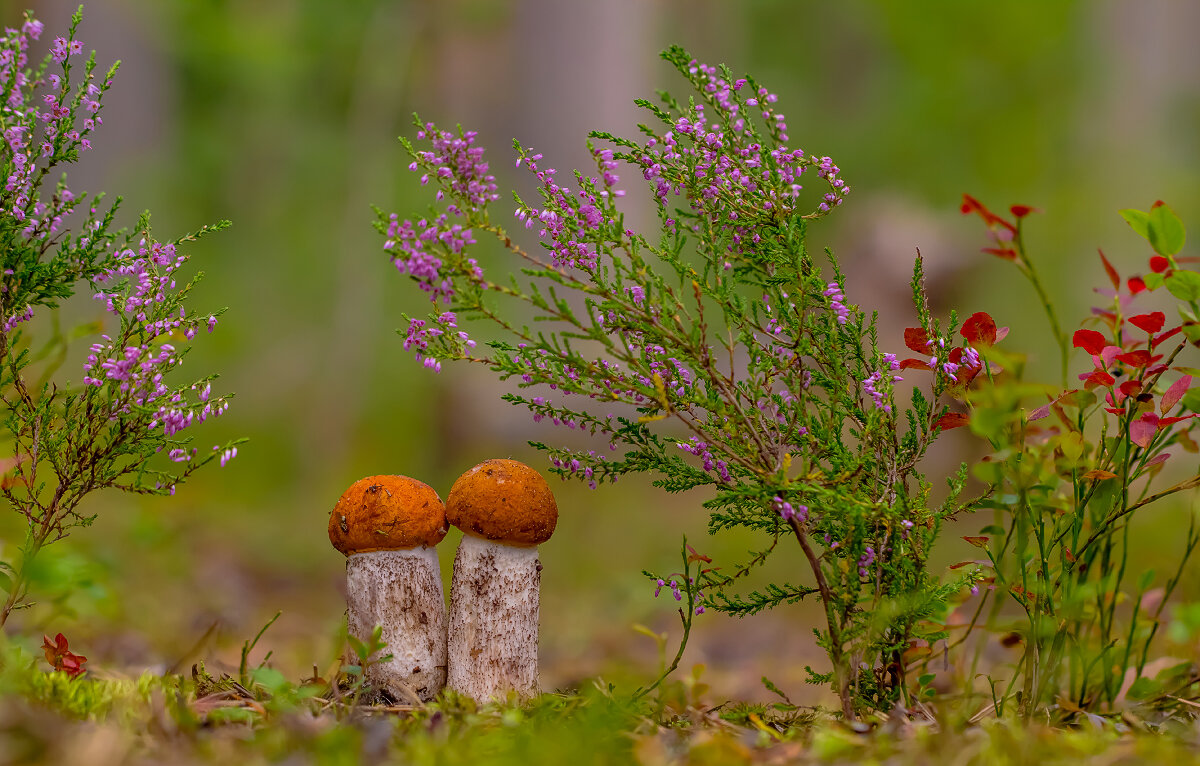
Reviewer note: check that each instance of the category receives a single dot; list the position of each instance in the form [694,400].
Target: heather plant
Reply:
[1068,476]
[124,424]
[717,352]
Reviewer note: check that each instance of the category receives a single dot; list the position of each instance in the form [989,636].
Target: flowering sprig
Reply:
[124,426]
[782,404]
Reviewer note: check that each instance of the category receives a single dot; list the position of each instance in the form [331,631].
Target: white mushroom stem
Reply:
[400,590]
[493,643]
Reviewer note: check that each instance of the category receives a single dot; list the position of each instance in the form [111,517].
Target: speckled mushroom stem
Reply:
[401,591]
[386,526]
[494,606]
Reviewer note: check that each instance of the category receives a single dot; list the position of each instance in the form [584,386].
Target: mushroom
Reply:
[505,510]
[387,526]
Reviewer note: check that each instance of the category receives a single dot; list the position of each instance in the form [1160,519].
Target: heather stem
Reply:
[836,654]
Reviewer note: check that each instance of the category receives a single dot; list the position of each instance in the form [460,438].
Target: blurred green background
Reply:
[282,115]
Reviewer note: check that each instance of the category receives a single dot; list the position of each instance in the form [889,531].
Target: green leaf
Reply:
[1146,580]
[1138,221]
[1184,285]
[1167,234]
[926,679]
[1071,444]
[1191,400]
[1153,280]
[1192,332]
[270,679]
[360,649]
[1143,688]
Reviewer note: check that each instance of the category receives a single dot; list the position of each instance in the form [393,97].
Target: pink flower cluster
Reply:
[137,361]
[32,145]
[869,385]
[725,167]
[420,334]
[700,449]
[834,293]
[457,162]
[787,512]
[413,252]
[570,220]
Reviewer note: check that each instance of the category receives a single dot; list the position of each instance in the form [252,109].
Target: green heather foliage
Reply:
[720,353]
[66,440]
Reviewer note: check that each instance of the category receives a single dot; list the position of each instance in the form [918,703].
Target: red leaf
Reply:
[1097,378]
[1131,387]
[1164,422]
[1142,430]
[1158,264]
[909,364]
[979,329]
[917,339]
[978,542]
[1175,393]
[1098,474]
[1089,340]
[1139,358]
[1020,211]
[1136,285]
[1151,323]
[972,205]
[951,420]
[1115,410]
[60,658]
[50,648]
[1007,253]
[1112,273]
[1160,338]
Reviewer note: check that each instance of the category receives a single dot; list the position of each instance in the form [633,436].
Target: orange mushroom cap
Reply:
[383,513]
[505,501]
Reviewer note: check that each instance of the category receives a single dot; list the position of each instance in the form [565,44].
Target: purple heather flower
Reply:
[876,395]
[60,49]
[787,512]
[834,293]
[865,561]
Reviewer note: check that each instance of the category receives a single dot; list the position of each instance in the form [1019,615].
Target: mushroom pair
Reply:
[388,527]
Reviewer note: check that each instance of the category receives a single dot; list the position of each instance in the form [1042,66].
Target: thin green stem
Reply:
[1031,274]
